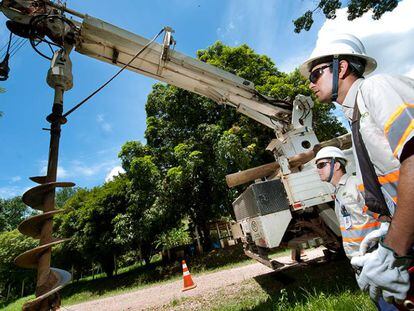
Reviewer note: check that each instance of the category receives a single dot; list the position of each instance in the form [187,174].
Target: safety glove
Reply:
[383,273]
[372,238]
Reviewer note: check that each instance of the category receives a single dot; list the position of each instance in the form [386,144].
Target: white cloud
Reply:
[11,192]
[77,169]
[267,27]
[410,73]
[114,172]
[61,172]
[15,179]
[105,126]
[389,40]
[231,24]
[80,168]
[290,63]
[88,170]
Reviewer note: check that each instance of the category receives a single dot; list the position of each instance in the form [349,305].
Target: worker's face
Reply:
[323,166]
[321,82]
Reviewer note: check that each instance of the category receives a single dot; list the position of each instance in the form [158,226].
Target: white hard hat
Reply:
[343,44]
[330,153]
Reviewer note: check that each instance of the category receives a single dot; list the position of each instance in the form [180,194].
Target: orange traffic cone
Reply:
[188,281]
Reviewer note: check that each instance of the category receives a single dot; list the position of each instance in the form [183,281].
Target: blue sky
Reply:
[95,133]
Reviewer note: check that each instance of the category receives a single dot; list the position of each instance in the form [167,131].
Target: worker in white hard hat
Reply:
[354,220]
[381,111]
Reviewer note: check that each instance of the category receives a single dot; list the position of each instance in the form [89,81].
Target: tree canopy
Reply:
[12,212]
[89,221]
[12,244]
[356,8]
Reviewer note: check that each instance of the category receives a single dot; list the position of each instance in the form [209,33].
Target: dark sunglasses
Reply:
[316,74]
[321,165]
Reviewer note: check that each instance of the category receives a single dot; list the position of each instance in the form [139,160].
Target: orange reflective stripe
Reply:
[352,239]
[395,115]
[389,178]
[366,226]
[404,137]
[372,214]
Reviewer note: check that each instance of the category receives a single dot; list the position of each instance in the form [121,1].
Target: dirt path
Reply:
[159,295]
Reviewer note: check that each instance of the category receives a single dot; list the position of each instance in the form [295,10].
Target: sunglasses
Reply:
[321,165]
[316,74]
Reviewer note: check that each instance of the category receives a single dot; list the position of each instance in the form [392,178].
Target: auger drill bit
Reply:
[42,197]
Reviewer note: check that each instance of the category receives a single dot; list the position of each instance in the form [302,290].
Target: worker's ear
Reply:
[343,69]
[337,166]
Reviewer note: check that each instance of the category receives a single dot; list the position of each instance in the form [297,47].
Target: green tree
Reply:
[147,215]
[63,195]
[356,8]
[12,212]
[12,244]
[131,150]
[90,223]
[175,237]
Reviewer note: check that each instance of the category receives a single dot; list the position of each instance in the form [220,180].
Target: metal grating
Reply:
[260,199]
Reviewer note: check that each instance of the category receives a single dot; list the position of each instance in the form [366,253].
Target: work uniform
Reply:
[386,104]
[354,222]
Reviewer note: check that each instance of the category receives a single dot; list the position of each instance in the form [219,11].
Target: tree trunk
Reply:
[206,237]
[22,294]
[108,266]
[8,291]
[146,253]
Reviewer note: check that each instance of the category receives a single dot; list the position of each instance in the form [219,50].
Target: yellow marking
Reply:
[407,132]
[395,115]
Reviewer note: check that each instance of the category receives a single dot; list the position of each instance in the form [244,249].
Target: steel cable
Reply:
[114,76]
[21,44]
[12,46]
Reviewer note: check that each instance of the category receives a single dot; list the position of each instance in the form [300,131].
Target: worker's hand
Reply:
[383,273]
[372,238]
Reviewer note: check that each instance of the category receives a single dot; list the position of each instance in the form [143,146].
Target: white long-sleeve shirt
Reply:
[386,104]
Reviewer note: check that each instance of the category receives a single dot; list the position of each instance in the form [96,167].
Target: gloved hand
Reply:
[383,273]
[372,238]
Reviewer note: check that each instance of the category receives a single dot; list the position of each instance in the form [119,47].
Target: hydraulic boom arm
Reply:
[111,44]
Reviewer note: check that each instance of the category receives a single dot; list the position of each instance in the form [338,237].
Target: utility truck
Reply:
[286,204]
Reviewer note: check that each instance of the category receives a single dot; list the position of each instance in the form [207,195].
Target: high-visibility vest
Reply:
[386,104]
[355,223]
